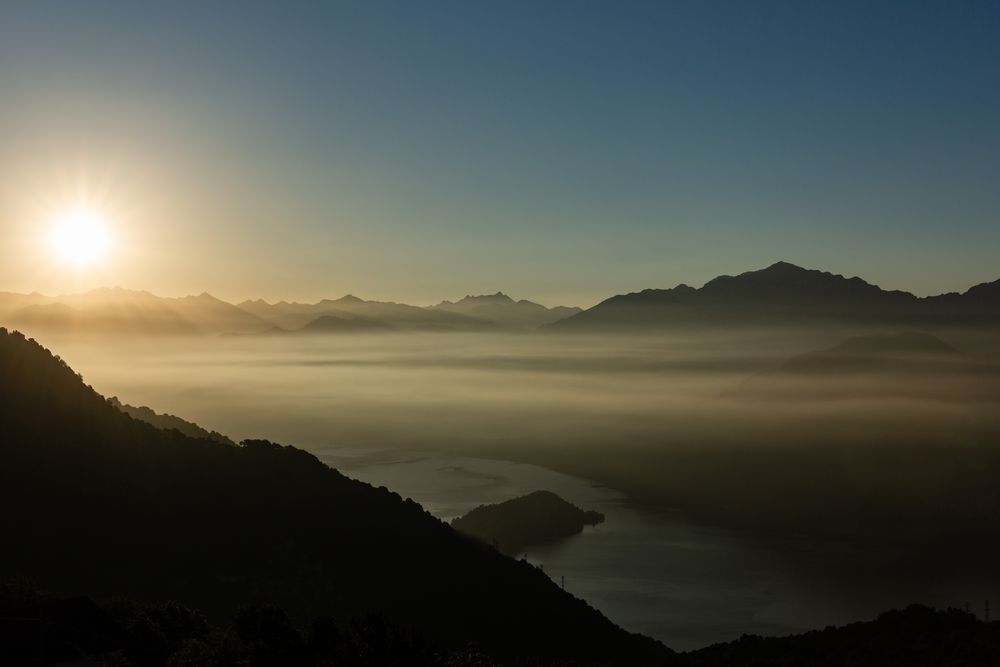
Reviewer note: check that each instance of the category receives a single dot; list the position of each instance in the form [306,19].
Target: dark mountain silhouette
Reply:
[168,422]
[102,504]
[538,517]
[916,635]
[505,311]
[902,364]
[784,294]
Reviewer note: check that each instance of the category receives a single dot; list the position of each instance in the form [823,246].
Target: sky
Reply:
[558,151]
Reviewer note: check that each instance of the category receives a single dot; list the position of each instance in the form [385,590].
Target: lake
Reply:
[440,418]
[650,572]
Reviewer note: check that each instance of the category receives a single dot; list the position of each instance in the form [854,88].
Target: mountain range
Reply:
[121,311]
[500,308]
[784,294]
[779,295]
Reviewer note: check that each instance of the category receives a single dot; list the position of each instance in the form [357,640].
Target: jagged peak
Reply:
[499,297]
[204,296]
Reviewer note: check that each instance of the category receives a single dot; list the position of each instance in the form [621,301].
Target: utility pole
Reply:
[562,582]
[987,614]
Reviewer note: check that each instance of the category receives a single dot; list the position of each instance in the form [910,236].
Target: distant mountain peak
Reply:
[779,293]
[204,296]
[349,298]
[784,266]
[499,297]
[787,277]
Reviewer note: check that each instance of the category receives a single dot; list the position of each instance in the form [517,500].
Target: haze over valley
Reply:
[701,427]
[516,334]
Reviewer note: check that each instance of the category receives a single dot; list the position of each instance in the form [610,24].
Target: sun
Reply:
[80,237]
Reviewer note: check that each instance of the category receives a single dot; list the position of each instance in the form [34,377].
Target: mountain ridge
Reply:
[115,499]
[779,293]
[783,293]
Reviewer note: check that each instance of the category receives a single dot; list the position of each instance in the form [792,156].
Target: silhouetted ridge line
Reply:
[917,635]
[166,421]
[784,294]
[119,507]
[505,312]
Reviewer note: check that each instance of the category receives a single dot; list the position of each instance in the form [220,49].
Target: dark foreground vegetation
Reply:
[913,636]
[540,516]
[41,629]
[103,505]
[169,422]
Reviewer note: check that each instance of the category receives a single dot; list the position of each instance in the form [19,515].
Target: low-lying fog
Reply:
[825,483]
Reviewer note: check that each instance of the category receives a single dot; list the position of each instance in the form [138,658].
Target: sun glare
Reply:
[80,237]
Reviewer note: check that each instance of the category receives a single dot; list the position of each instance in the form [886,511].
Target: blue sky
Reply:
[558,151]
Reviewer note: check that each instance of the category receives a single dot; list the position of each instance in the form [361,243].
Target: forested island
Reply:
[537,517]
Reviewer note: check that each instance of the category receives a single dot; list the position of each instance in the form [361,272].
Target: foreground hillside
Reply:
[108,505]
[127,633]
[913,636]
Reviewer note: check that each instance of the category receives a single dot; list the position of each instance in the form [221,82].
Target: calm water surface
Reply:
[649,572]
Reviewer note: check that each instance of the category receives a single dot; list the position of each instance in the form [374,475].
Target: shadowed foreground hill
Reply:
[167,422]
[101,504]
[914,636]
[126,632]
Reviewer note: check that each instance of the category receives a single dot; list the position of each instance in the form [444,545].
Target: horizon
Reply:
[501,292]
[569,153]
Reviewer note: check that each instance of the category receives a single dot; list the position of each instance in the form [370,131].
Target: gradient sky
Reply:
[557,151]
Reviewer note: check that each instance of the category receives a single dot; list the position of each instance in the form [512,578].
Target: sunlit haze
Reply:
[562,333]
